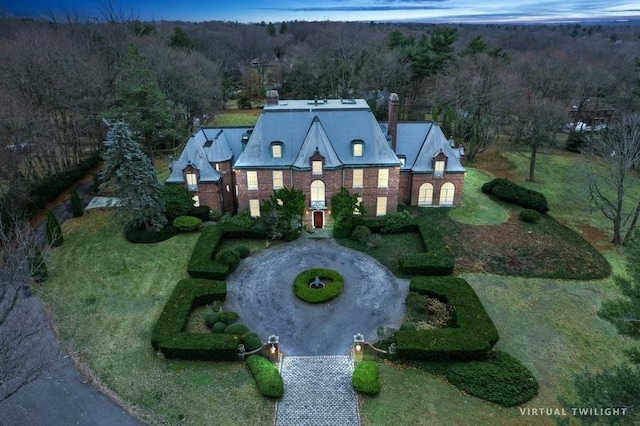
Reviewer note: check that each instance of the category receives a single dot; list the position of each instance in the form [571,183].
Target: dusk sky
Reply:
[337,10]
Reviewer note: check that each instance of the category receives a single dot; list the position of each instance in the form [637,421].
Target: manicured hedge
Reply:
[473,335]
[201,264]
[437,260]
[201,212]
[317,295]
[266,375]
[529,215]
[501,379]
[365,378]
[511,192]
[187,223]
[168,334]
[136,235]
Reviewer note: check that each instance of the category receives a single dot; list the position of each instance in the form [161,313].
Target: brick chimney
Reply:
[272,97]
[394,102]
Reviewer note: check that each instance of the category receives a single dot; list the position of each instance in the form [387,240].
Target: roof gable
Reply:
[316,141]
[435,142]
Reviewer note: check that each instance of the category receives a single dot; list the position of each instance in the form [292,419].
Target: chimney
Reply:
[272,97]
[394,102]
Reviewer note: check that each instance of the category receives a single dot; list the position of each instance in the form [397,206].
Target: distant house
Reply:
[319,146]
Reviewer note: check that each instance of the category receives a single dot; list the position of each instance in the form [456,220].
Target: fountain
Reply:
[316,283]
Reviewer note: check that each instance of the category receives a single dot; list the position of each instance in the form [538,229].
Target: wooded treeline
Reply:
[59,78]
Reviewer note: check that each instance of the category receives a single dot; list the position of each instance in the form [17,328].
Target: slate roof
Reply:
[331,125]
[421,142]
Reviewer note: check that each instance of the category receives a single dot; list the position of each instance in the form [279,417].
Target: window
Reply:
[381,206]
[196,201]
[357,149]
[317,191]
[438,169]
[358,210]
[252,180]
[277,179]
[425,195]
[192,181]
[254,208]
[276,150]
[316,167]
[403,160]
[447,193]
[358,178]
[217,167]
[383,178]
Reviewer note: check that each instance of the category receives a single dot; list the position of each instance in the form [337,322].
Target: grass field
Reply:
[106,294]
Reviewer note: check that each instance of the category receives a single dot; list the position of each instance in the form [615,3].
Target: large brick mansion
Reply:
[319,146]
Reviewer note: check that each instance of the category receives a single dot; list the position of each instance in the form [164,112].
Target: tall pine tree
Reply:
[132,176]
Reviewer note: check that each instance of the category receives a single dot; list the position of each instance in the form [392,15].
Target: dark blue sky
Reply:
[337,10]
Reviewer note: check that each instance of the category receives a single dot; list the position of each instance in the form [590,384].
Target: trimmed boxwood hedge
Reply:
[437,260]
[501,379]
[472,337]
[317,295]
[187,223]
[266,375]
[168,334]
[202,263]
[365,378]
[509,191]
[135,235]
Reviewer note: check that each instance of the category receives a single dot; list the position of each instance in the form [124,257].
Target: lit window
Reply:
[383,178]
[192,181]
[228,188]
[403,160]
[280,202]
[276,150]
[425,195]
[358,178]
[252,180]
[254,208]
[381,206]
[357,149]
[277,179]
[217,167]
[316,167]
[317,191]
[358,210]
[196,201]
[447,193]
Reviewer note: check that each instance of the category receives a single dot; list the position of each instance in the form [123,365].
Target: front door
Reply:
[318,219]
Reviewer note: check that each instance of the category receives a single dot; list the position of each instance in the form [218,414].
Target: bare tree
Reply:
[26,346]
[609,186]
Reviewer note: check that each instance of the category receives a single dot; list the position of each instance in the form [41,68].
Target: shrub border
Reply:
[317,295]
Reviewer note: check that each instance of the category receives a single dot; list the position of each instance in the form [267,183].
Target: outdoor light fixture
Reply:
[273,343]
[273,349]
[358,342]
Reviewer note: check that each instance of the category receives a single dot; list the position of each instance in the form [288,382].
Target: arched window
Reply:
[317,191]
[447,192]
[425,195]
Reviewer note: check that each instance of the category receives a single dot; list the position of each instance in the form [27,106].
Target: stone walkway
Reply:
[317,392]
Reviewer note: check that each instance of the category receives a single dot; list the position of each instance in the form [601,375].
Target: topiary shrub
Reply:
[237,328]
[303,291]
[187,223]
[511,192]
[501,379]
[251,341]
[266,375]
[396,222]
[227,318]
[178,201]
[76,204]
[219,327]
[229,258]
[242,251]
[365,378]
[530,216]
[53,231]
[361,234]
[138,235]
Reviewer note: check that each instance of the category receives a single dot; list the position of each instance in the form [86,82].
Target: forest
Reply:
[63,80]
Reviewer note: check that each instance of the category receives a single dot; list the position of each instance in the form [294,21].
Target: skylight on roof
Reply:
[348,101]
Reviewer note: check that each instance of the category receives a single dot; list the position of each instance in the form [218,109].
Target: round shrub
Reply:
[501,379]
[219,327]
[186,223]
[229,258]
[530,216]
[332,289]
[365,378]
[251,341]
[225,317]
[237,328]
[361,234]
[242,251]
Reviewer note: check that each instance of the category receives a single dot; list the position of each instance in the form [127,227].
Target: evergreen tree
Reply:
[180,40]
[271,29]
[76,204]
[343,208]
[132,176]
[282,213]
[38,267]
[178,200]
[53,231]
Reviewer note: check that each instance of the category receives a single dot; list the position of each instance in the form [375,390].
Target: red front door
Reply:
[318,218]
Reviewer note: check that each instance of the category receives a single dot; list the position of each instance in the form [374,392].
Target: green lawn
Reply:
[237,118]
[106,294]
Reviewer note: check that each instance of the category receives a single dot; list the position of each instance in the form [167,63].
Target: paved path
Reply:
[317,392]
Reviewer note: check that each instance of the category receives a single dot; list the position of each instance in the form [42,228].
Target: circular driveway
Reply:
[261,292]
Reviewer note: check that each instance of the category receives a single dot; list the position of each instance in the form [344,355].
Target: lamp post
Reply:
[273,348]
[358,347]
